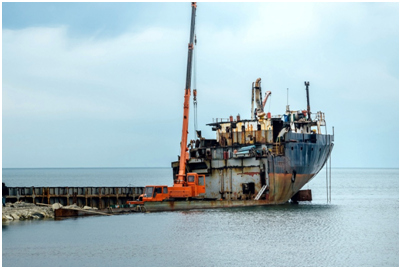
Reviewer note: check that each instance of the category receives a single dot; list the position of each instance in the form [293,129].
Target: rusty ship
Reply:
[264,160]
[265,157]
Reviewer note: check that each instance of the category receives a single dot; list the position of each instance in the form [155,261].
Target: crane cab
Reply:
[155,193]
[196,182]
[152,193]
[194,187]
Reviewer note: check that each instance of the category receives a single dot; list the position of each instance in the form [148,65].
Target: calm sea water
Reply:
[359,228]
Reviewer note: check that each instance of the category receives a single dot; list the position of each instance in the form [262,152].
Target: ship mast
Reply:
[181,179]
[307,98]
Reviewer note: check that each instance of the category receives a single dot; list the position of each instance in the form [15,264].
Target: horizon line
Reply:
[163,167]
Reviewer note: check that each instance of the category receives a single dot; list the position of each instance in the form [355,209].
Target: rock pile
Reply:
[23,211]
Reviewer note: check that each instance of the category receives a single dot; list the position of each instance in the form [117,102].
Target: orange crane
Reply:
[184,137]
[185,185]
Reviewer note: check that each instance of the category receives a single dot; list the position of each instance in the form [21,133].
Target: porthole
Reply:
[301,148]
[292,148]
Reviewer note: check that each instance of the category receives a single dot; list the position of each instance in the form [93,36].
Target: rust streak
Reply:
[249,173]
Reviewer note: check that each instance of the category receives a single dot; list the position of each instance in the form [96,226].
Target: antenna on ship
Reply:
[252,112]
[288,107]
[307,98]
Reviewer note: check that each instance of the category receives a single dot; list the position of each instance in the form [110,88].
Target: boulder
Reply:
[50,213]
[18,204]
[15,216]
[46,213]
[89,208]
[38,215]
[56,206]
[29,204]
[71,206]
[23,214]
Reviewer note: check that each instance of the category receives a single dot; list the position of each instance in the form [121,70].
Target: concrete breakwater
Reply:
[99,197]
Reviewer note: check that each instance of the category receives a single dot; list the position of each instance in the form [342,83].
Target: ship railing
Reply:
[318,116]
[220,120]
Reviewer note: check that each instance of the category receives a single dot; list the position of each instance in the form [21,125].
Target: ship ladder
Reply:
[262,190]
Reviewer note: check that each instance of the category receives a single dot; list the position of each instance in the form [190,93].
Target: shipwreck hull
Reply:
[284,170]
[300,164]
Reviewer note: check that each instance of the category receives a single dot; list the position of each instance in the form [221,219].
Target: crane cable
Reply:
[195,100]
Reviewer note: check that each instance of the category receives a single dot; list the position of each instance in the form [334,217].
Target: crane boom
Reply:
[267,94]
[183,157]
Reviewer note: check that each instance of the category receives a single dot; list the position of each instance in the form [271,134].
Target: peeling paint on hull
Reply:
[283,188]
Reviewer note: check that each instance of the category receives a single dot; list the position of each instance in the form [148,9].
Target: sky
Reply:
[102,84]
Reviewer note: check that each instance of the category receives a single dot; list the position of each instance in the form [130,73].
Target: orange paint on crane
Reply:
[195,185]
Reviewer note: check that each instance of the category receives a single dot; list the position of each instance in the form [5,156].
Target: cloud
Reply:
[45,72]
[348,51]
